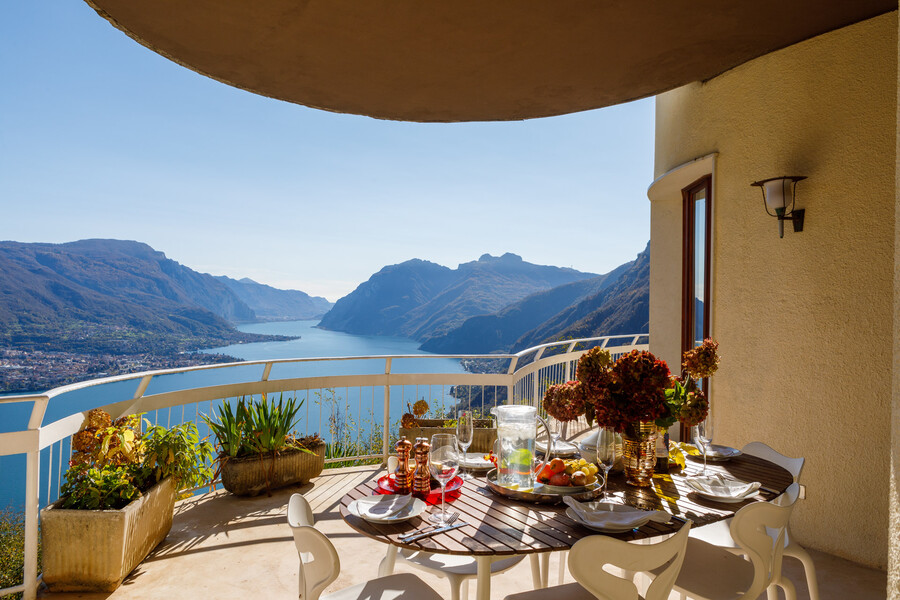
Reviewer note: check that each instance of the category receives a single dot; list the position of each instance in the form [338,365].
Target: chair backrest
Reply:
[590,554]
[319,561]
[759,530]
[794,466]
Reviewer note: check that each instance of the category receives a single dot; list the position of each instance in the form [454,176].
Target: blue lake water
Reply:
[360,409]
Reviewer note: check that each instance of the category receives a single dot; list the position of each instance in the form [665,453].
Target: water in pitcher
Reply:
[516,454]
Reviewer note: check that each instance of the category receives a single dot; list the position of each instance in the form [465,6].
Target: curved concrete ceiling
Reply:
[471,60]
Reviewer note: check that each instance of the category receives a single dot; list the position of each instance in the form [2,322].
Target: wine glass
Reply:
[465,424]
[555,433]
[703,437]
[443,464]
[606,454]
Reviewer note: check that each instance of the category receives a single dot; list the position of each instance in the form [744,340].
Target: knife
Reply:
[419,536]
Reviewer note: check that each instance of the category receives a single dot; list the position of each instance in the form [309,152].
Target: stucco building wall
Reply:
[805,322]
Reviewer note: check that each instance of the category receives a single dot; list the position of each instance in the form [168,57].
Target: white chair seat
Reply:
[405,586]
[444,564]
[713,573]
[569,591]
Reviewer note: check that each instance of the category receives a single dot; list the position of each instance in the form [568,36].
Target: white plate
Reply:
[593,526]
[476,460]
[722,498]
[413,509]
[717,453]
[560,448]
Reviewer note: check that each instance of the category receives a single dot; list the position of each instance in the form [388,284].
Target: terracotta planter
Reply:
[485,433]
[253,475]
[94,550]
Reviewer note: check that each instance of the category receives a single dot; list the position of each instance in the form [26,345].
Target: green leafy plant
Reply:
[178,453]
[114,462]
[252,428]
[12,549]
[100,487]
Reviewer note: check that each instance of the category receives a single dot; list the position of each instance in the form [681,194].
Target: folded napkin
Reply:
[606,514]
[380,508]
[718,485]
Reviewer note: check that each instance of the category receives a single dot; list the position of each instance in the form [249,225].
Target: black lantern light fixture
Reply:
[778,195]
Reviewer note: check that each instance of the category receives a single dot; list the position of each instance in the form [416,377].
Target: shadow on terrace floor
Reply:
[223,546]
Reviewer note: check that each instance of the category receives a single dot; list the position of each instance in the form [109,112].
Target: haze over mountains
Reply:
[123,296]
[495,304]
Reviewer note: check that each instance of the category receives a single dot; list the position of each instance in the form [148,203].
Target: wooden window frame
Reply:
[687,268]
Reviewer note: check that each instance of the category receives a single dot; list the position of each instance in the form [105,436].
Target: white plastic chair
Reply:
[320,566]
[719,534]
[589,555]
[713,573]
[457,569]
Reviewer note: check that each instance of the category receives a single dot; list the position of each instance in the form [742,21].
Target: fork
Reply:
[450,520]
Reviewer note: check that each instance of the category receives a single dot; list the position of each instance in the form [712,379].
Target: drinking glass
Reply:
[465,428]
[606,454]
[555,434]
[443,464]
[703,437]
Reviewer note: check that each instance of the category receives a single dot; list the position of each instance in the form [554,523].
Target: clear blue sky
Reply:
[100,137]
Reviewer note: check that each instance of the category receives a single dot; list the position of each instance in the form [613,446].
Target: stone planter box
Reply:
[482,441]
[94,550]
[253,475]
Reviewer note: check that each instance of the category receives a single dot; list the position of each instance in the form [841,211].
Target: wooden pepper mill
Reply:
[421,484]
[403,476]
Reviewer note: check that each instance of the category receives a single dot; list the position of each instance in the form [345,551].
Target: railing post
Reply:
[32,473]
[386,429]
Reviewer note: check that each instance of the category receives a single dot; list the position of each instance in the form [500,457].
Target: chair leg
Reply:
[789,592]
[772,592]
[563,556]
[455,584]
[809,568]
[465,589]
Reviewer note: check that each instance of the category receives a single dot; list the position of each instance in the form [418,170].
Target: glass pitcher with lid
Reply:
[516,433]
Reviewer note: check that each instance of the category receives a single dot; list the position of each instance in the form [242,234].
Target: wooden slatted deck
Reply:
[222,546]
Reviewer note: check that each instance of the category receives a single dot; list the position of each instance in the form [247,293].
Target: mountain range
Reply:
[495,304]
[125,297]
[422,300]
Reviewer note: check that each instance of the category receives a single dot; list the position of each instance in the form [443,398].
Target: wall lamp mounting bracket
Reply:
[779,194]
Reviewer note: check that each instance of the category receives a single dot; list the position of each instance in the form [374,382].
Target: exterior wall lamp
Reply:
[778,195]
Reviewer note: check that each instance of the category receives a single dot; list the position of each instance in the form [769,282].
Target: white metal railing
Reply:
[524,379]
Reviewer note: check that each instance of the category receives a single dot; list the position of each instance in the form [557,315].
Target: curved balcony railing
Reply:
[353,397]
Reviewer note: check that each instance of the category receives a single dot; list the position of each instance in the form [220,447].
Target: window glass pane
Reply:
[699,264]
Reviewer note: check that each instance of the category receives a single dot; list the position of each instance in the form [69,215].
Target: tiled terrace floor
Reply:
[222,546]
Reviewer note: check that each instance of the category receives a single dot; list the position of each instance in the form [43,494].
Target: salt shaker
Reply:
[421,485]
[403,476]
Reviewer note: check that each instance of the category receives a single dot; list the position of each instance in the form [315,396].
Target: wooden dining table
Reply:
[498,527]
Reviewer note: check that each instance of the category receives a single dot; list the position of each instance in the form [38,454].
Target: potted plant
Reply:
[257,449]
[414,425]
[117,501]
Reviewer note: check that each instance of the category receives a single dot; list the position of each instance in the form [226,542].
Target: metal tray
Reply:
[594,490]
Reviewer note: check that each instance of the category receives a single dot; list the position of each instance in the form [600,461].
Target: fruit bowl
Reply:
[541,495]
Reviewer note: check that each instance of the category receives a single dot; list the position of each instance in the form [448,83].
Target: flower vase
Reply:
[639,452]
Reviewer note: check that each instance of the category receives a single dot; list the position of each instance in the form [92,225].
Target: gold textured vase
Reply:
[639,452]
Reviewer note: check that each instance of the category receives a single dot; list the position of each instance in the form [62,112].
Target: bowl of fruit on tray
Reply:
[561,476]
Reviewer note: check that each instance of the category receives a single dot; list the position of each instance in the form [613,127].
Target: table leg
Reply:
[386,567]
[535,571]
[483,590]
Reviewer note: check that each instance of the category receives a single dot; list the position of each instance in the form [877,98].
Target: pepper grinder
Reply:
[403,476]
[421,484]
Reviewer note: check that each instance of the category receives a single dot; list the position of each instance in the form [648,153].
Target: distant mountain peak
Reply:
[507,257]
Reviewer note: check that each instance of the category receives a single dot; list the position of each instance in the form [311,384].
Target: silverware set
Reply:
[432,529]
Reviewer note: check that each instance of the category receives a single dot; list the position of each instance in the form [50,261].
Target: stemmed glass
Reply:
[555,433]
[703,437]
[443,464]
[606,454]
[465,427]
